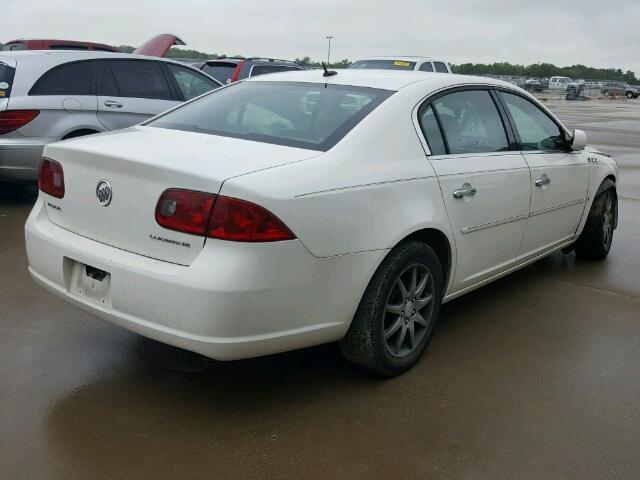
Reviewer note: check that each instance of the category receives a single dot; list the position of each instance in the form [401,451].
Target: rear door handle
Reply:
[466,191]
[112,104]
[543,180]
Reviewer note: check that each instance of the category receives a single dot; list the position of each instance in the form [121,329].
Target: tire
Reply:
[605,93]
[629,94]
[79,133]
[385,309]
[595,240]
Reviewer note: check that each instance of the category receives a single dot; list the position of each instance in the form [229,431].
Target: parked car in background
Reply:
[533,85]
[619,89]
[23,44]
[231,69]
[422,64]
[562,83]
[241,224]
[47,96]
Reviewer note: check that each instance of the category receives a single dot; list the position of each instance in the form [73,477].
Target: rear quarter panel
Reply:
[367,193]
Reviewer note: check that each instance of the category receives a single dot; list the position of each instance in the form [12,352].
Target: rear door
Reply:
[131,91]
[559,176]
[485,186]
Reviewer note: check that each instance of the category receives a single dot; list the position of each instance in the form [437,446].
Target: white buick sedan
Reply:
[296,209]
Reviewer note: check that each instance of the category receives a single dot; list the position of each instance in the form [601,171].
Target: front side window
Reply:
[536,130]
[441,67]
[191,84]
[140,79]
[470,122]
[384,65]
[69,79]
[305,115]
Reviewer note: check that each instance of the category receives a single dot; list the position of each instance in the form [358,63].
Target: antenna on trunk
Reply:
[327,72]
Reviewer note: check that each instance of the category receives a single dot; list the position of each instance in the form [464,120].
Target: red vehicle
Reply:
[157,46]
[23,44]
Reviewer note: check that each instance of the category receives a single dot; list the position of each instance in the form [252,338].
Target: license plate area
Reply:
[89,283]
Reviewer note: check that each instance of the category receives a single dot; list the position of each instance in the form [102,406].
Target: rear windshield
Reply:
[221,71]
[6,80]
[305,115]
[384,65]
[14,46]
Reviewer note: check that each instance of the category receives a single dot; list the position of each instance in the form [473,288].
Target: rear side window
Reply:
[304,115]
[536,130]
[384,65]
[6,80]
[106,82]
[470,122]
[441,67]
[432,132]
[191,84]
[426,67]
[264,69]
[221,71]
[140,79]
[69,79]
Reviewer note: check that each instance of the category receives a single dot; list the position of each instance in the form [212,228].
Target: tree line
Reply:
[497,68]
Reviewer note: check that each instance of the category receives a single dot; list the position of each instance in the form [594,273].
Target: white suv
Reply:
[422,64]
[46,96]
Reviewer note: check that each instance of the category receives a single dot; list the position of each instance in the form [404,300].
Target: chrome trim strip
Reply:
[493,224]
[557,207]
[504,221]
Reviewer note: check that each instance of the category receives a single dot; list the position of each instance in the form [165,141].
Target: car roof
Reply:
[382,79]
[48,56]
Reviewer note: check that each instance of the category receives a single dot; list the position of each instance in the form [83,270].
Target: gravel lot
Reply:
[533,377]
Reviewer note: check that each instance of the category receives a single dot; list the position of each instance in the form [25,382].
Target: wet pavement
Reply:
[534,376]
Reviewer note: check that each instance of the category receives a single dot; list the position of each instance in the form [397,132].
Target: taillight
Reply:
[242,221]
[185,211]
[11,120]
[236,72]
[219,217]
[51,178]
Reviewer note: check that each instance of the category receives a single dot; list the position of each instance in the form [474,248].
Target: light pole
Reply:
[329,37]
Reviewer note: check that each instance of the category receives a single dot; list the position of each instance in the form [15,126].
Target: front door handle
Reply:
[112,104]
[543,180]
[466,191]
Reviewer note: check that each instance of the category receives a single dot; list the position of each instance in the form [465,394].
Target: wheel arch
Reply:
[79,132]
[440,243]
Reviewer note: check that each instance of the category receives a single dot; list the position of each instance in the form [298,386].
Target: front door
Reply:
[559,176]
[485,186]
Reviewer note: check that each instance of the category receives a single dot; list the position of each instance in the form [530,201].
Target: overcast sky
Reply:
[564,32]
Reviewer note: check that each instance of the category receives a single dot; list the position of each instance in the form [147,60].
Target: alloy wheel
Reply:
[408,311]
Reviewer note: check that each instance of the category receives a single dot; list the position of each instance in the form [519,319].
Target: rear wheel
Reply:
[398,312]
[629,94]
[595,240]
[605,93]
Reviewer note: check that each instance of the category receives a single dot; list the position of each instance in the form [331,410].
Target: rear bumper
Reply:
[20,159]
[234,301]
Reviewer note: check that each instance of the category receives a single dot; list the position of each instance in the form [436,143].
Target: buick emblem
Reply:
[104,192]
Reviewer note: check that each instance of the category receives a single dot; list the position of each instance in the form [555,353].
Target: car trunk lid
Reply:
[140,164]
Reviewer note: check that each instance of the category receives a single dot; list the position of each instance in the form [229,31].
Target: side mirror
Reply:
[578,140]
